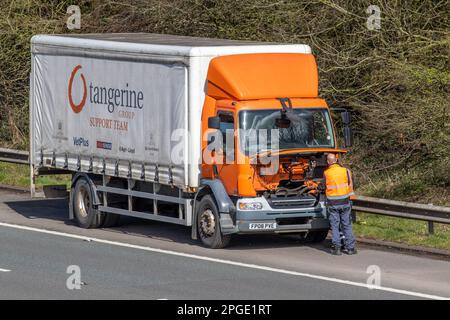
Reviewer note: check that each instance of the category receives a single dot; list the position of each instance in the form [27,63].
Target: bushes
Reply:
[396,79]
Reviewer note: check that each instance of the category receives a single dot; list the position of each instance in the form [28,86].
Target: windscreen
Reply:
[260,130]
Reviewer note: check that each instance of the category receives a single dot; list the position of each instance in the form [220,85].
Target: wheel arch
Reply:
[224,204]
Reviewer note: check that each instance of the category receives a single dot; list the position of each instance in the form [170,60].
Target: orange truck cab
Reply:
[274,133]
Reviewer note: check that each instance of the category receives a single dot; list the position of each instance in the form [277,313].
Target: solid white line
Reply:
[229,262]
[4,270]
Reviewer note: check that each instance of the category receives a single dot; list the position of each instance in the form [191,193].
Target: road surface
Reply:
[152,260]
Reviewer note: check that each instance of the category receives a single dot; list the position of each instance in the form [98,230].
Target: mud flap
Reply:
[71,215]
[227,225]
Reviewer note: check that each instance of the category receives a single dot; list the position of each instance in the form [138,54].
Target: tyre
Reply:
[208,224]
[85,214]
[110,219]
[316,236]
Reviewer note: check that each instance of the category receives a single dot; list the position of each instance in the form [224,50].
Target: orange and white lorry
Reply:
[223,136]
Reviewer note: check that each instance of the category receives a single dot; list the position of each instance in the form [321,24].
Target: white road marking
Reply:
[228,262]
[4,270]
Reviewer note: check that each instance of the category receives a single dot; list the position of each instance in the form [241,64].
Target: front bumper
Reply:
[291,220]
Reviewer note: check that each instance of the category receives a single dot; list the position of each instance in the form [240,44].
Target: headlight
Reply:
[250,205]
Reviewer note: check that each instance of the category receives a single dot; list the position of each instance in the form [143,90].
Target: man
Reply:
[339,192]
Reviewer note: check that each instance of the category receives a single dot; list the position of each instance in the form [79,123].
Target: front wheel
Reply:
[316,236]
[208,224]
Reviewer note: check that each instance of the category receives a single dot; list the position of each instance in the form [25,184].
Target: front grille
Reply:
[292,202]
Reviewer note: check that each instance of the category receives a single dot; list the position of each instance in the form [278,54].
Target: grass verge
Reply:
[19,176]
[400,230]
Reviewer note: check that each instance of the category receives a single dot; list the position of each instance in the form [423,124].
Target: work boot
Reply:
[335,251]
[350,251]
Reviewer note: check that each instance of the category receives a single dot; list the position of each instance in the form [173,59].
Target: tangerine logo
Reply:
[77,107]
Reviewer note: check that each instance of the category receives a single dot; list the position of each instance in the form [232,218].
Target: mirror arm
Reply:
[338,109]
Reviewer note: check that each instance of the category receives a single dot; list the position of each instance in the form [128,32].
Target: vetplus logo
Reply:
[80,142]
[102,95]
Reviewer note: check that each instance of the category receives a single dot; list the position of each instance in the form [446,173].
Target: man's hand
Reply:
[321,187]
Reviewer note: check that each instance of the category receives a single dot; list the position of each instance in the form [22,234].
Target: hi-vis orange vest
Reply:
[339,183]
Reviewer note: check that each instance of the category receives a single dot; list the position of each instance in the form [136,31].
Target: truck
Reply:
[223,136]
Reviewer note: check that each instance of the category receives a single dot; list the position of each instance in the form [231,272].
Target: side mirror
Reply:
[348,136]
[214,123]
[211,139]
[346,118]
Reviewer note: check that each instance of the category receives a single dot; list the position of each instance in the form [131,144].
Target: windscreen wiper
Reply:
[285,107]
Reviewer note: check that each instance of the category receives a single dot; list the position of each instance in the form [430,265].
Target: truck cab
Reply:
[266,134]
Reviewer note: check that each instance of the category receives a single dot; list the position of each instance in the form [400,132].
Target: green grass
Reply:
[19,175]
[400,230]
[425,184]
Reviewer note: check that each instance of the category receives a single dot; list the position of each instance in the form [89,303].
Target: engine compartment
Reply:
[297,183]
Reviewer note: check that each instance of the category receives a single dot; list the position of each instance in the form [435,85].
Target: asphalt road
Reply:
[150,260]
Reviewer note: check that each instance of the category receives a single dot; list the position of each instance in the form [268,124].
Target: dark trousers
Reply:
[340,216]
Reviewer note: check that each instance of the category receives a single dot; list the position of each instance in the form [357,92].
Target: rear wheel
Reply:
[111,220]
[316,236]
[85,214]
[208,224]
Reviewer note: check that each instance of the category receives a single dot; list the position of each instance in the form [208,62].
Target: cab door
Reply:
[227,170]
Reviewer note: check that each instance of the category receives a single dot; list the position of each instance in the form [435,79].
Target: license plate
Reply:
[262,226]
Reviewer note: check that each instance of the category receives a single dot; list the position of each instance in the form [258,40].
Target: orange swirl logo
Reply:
[77,107]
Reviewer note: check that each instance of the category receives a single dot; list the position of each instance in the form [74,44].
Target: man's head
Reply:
[331,159]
